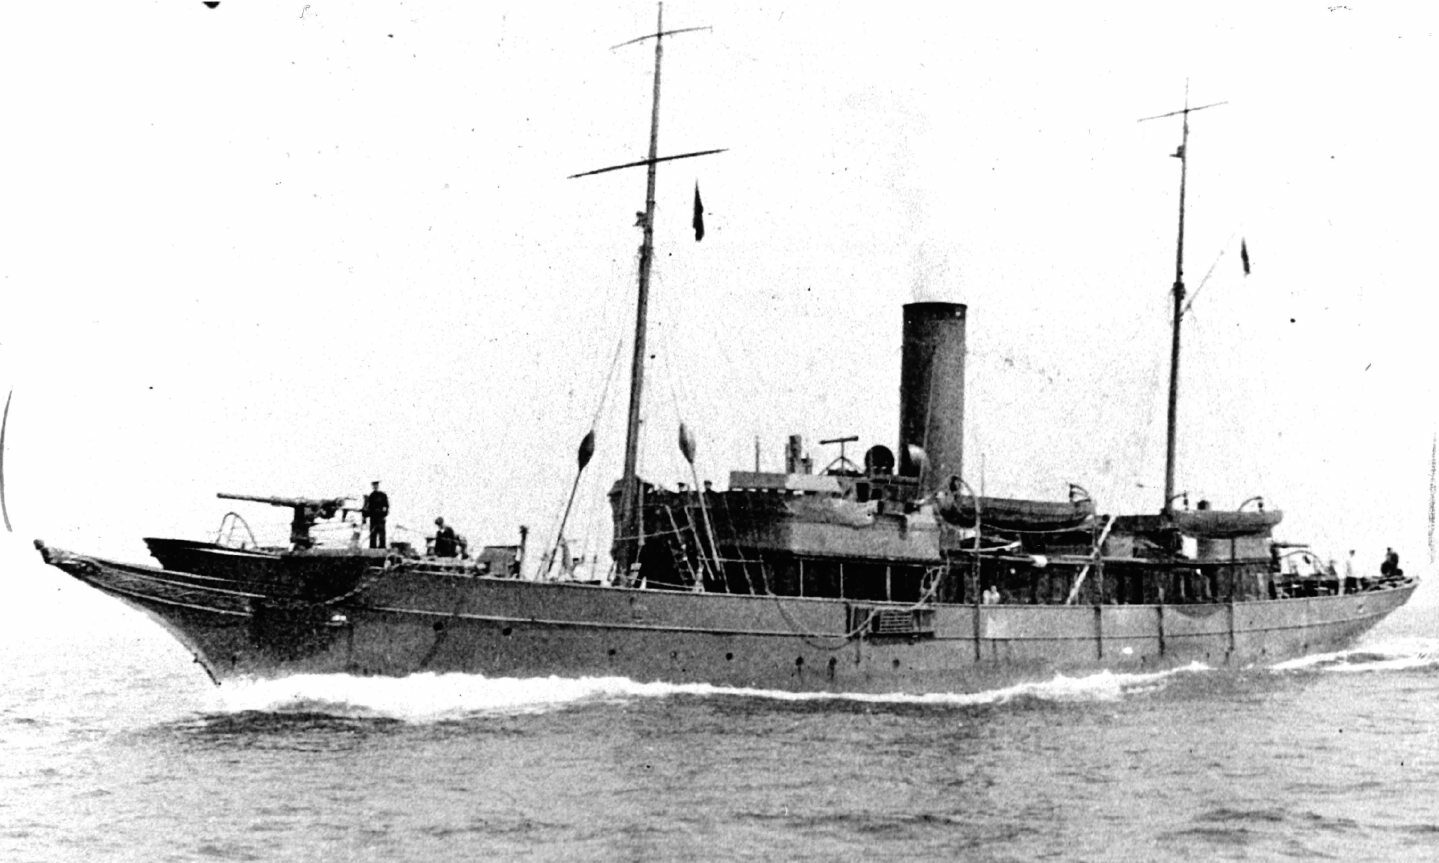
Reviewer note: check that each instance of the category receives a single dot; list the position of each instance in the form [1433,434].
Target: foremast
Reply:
[629,490]
[625,548]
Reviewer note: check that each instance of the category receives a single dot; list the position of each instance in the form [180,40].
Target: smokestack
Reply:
[794,454]
[931,390]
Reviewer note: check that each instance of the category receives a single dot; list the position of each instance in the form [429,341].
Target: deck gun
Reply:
[307,512]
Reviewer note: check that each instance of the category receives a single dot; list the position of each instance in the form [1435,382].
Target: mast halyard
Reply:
[625,550]
[1172,424]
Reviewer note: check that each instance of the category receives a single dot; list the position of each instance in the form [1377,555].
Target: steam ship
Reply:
[887,575]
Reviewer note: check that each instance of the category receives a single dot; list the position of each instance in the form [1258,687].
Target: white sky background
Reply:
[253,251]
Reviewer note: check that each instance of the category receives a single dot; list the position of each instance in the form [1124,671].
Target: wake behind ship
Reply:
[884,575]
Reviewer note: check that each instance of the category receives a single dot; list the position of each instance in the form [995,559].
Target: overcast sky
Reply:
[289,249]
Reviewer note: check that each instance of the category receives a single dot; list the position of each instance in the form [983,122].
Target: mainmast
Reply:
[1172,426]
[628,527]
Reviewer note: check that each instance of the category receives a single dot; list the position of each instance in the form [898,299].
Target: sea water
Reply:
[114,745]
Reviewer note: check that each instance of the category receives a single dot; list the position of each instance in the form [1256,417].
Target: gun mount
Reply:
[307,512]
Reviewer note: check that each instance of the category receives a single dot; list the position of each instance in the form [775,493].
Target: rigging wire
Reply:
[665,372]
[1247,388]
[1204,281]
[609,379]
[5,510]
[610,324]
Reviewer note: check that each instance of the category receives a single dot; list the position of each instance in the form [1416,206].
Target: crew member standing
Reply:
[376,508]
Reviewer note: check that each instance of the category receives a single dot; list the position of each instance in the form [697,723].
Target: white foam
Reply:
[437,697]
[416,698]
[1395,654]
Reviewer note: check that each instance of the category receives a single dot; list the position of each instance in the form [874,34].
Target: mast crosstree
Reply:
[626,551]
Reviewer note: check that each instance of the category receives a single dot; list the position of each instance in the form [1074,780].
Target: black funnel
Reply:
[931,391]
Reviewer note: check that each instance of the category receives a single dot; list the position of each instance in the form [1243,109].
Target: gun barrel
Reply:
[334,502]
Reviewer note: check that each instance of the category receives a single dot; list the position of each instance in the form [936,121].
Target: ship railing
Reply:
[226,534]
[1295,585]
[1038,531]
[1079,561]
[648,535]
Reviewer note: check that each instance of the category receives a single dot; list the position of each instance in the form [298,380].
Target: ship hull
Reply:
[397,623]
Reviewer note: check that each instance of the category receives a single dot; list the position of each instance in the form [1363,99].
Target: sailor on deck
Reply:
[376,508]
[446,543]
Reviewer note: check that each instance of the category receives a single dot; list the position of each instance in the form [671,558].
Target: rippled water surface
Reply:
[116,746]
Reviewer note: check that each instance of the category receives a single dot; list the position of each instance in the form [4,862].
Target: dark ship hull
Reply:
[895,577]
[384,620]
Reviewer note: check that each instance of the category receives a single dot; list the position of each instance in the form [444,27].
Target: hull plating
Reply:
[399,623]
